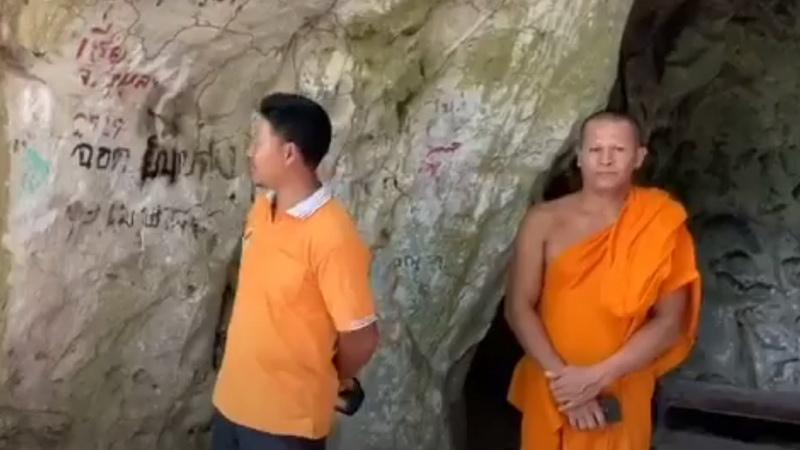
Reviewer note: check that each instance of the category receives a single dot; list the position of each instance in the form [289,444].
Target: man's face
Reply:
[269,155]
[609,154]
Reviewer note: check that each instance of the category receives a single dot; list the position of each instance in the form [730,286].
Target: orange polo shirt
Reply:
[304,277]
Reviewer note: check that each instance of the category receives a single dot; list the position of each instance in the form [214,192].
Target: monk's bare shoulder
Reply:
[541,218]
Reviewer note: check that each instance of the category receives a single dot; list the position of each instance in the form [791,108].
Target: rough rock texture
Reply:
[127,123]
[743,183]
[716,84]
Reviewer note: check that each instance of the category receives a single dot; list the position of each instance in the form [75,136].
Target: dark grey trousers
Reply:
[226,435]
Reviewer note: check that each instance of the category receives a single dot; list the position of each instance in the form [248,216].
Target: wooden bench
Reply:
[781,407]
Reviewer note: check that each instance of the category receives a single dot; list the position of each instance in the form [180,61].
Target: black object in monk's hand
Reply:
[350,398]
[611,409]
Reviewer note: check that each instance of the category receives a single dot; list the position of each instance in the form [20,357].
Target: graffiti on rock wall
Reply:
[108,126]
[104,61]
[199,3]
[157,162]
[101,158]
[170,163]
[448,116]
[35,172]
[105,141]
[436,156]
[118,215]
[415,263]
[101,45]
[202,3]
[160,161]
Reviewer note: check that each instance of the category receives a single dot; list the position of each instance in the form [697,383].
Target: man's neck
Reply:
[606,203]
[292,193]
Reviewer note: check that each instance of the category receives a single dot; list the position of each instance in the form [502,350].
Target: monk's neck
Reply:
[607,204]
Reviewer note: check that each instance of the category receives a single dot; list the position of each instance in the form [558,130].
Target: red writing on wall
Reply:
[102,46]
[117,80]
[432,163]
[101,56]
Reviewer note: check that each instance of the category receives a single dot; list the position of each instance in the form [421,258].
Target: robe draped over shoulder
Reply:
[595,296]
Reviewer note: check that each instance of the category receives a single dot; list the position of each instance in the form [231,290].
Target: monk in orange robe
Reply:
[604,297]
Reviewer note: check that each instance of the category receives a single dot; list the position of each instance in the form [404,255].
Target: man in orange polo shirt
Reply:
[303,322]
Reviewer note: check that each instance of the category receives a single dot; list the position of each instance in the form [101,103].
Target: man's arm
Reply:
[355,349]
[658,335]
[524,289]
[343,275]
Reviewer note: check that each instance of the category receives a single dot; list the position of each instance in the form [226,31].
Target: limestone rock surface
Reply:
[123,148]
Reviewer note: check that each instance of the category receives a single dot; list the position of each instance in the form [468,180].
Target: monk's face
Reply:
[609,155]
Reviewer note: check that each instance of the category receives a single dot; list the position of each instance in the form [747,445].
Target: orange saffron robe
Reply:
[595,296]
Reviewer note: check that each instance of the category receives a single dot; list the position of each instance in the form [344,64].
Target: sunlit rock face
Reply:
[126,123]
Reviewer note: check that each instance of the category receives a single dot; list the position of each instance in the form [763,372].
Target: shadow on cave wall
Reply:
[716,88]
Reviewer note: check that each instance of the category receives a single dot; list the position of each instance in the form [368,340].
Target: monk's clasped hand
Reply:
[574,386]
[587,417]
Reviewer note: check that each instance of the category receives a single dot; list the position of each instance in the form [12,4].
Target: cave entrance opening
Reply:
[492,423]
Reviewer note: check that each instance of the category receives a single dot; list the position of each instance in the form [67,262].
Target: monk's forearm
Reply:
[653,339]
[530,333]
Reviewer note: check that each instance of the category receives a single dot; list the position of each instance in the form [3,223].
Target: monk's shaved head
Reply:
[609,152]
[614,117]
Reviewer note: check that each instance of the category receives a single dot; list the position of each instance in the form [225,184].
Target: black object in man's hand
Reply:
[351,396]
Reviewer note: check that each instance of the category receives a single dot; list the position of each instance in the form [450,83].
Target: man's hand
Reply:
[574,386]
[351,396]
[586,417]
[347,385]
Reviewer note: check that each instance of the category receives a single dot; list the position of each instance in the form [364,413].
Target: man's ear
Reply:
[641,153]
[291,153]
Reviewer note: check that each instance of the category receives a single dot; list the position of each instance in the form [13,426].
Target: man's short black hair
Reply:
[614,116]
[301,121]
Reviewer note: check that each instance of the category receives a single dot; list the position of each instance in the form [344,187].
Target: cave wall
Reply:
[125,130]
[718,91]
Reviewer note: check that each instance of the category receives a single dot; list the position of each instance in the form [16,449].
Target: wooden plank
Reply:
[720,399]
